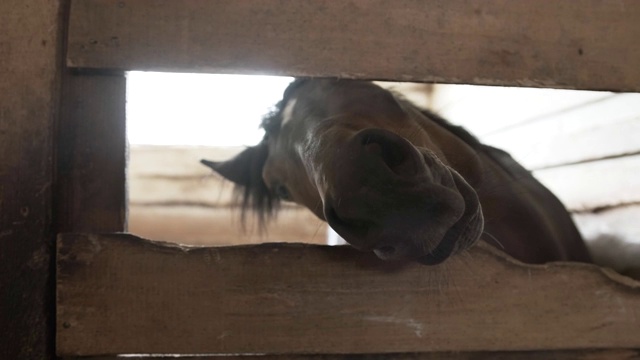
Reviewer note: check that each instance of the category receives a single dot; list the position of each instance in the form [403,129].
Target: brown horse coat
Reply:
[397,180]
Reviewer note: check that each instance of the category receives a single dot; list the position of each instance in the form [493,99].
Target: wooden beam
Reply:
[625,354]
[605,128]
[581,44]
[609,183]
[92,154]
[31,57]
[197,225]
[118,294]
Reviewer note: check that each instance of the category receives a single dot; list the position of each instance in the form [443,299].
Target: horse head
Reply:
[378,170]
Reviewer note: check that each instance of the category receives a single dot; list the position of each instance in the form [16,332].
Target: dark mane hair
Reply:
[256,197]
[456,130]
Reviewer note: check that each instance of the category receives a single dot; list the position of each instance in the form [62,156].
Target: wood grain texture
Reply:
[30,61]
[92,154]
[153,161]
[612,140]
[173,197]
[582,44]
[595,185]
[489,110]
[600,129]
[198,225]
[174,175]
[120,294]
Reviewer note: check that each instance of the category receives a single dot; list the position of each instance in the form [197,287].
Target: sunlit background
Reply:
[173,121]
[199,109]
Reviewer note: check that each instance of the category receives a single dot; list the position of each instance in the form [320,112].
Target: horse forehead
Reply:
[350,101]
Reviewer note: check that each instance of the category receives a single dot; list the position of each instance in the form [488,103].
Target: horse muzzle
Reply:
[388,197]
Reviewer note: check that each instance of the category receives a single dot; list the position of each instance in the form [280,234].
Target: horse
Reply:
[396,179]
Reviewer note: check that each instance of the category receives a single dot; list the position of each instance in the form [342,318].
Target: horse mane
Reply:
[456,130]
[256,197]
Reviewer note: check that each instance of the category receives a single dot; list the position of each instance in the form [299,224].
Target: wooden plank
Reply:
[545,127]
[118,294]
[606,128]
[163,175]
[492,42]
[173,197]
[176,161]
[30,62]
[593,112]
[595,185]
[92,154]
[486,110]
[488,355]
[168,176]
[205,190]
[609,140]
[195,225]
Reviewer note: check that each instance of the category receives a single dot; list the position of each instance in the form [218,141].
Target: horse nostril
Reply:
[394,150]
[372,147]
[390,153]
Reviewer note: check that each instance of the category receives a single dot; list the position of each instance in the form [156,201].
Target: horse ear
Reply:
[243,168]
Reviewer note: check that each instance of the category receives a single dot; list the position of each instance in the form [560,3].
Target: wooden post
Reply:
[30,70]
[92,154]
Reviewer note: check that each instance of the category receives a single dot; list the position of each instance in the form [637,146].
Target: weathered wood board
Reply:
[31,59]
[197,225]
[610,140]
[583,44]
[602,129]
[176,161]
[118,294]
[174,175]
[173,197]
[595,185]
[485,110]
[625,354]
[92,154]
[544,128]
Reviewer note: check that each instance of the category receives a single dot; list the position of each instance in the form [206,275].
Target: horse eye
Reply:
[283,193]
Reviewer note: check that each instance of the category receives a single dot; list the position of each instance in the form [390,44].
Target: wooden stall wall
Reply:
[148,34]
[583,145]
[30,72]
[118,294]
